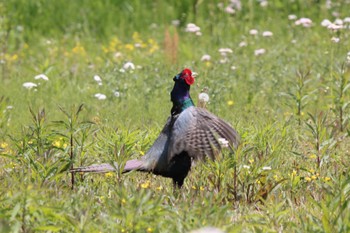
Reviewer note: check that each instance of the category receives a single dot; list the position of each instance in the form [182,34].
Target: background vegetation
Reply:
[284,86]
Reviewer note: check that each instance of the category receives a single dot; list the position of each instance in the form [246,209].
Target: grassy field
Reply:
[88,81]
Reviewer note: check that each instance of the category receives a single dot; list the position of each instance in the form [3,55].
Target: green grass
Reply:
[290,106]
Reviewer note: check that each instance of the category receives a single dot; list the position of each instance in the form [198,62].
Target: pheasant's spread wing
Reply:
[200,133]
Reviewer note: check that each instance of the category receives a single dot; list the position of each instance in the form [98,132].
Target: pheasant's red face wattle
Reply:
[187,76]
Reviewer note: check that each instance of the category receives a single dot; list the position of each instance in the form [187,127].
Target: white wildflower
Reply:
[230,10]
[267,34]
[121,70]
[98,79]
[223,142]
[292,17]
[203,97]
[198,33]
[223,60]
[243,44]
[29,85]
[246,166]
[129,66]
[9,107]
[116,93]
[117,55]
[267,168]
[338,22]
[236,4]
[206,57]
[335,39]
[100,96]
[194,74]
[264,3]
[346,20]
[348,57]
[191,27]
[305,22]
[225,51]
[325,23]
[233,67]
[41,76]
[253,32]
[259,52]
[334,27]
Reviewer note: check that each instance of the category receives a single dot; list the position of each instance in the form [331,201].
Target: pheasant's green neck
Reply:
[179,106]
[186,104]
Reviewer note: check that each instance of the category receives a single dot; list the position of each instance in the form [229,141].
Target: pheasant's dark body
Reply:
[190,133]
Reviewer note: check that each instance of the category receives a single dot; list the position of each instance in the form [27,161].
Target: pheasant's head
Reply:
[185,76]
[180,95]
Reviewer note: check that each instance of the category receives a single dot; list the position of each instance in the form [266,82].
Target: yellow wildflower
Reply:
[149,230]
[326,179]
[159,188]
[146,184]
[313,156]
[13,165]
[79,49]
[14,57]
[123,201]
[114,43]
[109,174]
[294,173]
[314,177]
[153,46]
[57,143]
[129,47]
[201,188]
[230,103]
[251,161]
[194,187]
[308,179]
[312,171]
[3,145]
[136,37]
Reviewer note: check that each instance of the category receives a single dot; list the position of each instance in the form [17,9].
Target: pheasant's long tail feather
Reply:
[95,168]
[134,164]
[106,167]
